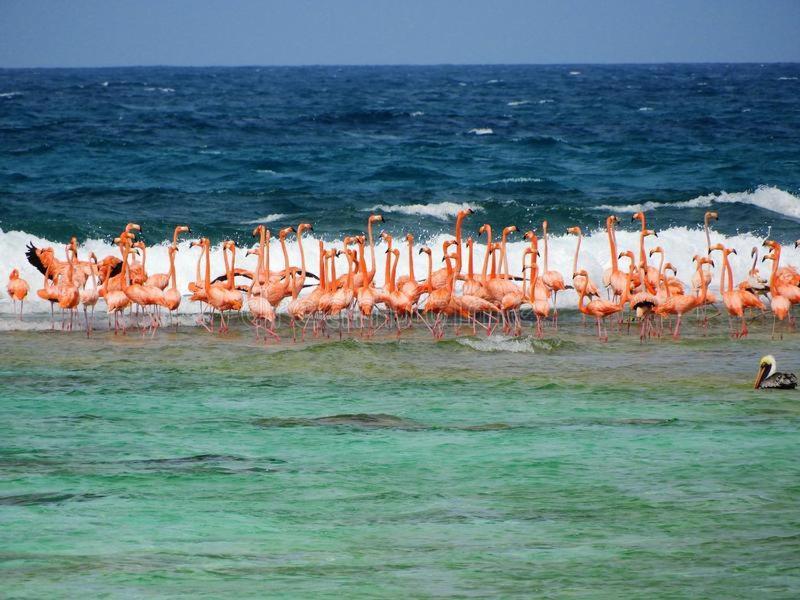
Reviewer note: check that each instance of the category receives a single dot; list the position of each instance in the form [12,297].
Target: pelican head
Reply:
[766,367]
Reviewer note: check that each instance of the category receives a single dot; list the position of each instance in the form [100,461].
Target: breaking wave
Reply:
[769,198]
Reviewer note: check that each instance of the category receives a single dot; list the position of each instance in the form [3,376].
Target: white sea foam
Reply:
[768,198]
[787,78]
[645,109]
[679,243]
[518,102]
[574,73]
[267,219]
[517,180]
[166,90]
[212,152]
[546,101]
[416,113]
[267,171]
[494,81]
[441,210]
[10,94]
[104,84]
[481,131]
[498,343]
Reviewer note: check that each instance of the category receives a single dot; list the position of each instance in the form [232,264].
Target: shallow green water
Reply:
[191,464]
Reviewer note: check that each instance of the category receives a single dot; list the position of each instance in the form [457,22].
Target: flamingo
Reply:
[599,309]
[779,305]
[554,280]
[89,297]
[613,278]
[579,283]
[17,289]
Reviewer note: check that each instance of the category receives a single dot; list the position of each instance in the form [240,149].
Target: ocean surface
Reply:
[213,466]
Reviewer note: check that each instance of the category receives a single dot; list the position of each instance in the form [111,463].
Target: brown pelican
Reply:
[769,378]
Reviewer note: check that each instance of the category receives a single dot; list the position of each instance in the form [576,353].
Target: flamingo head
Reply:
[648,232]
[386,237]
[612,220]
[133,226]
[13,275]
[704,260]
[530,234]
[376,219]
[638,215]
[716,247]
[656,250]
[409,238]
[769,256]
[627,253]
[582,272]
[711,215]
[304,227]
[574,230]
[510,229]
[284,232]
[771,244]
[668,266]
[425,250]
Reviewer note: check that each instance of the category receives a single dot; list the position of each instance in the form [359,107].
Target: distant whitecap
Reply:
[266,219]
[482,131]
[441,210]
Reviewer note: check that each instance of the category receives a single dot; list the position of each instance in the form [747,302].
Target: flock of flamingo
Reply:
[456,293]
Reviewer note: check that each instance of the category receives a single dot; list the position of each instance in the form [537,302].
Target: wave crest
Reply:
[442,210]
[769,198]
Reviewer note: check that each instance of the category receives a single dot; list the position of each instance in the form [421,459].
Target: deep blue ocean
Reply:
[83,151]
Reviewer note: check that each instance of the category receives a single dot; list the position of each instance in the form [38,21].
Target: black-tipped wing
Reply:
[34,259]
[115,270]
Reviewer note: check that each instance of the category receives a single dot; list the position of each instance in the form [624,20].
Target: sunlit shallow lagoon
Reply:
[215,466]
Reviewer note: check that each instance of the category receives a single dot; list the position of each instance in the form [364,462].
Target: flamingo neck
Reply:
[612,243]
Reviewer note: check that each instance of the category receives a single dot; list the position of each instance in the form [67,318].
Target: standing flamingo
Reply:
[17,289]
[554,280]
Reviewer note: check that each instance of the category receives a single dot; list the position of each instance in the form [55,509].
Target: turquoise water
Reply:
[212,466]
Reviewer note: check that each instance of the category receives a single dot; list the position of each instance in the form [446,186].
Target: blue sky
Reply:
[78,33]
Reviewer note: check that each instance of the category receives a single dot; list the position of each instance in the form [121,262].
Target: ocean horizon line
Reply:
[390,65]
